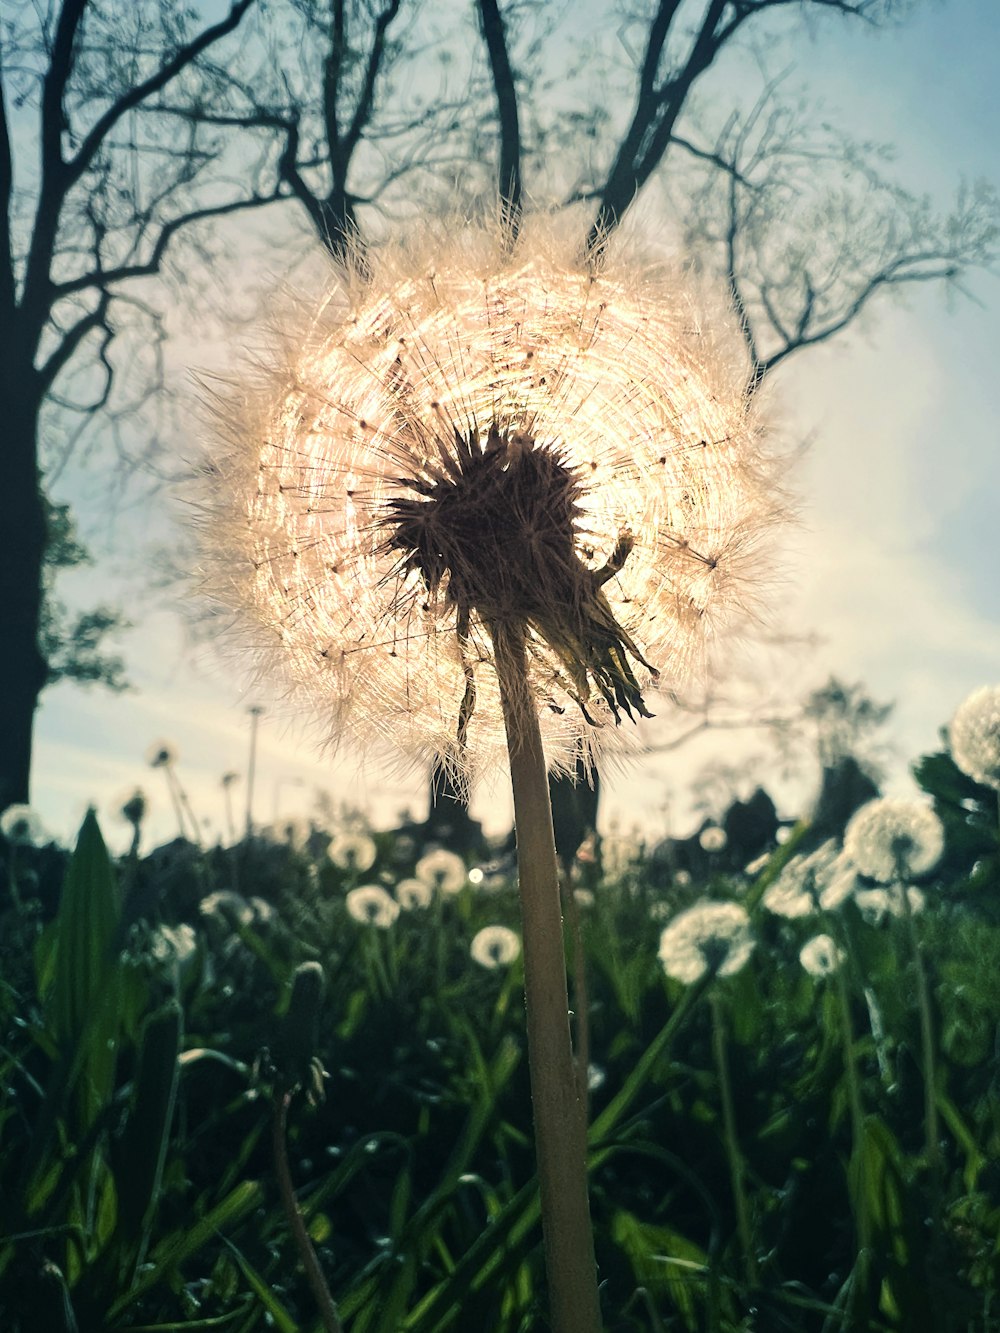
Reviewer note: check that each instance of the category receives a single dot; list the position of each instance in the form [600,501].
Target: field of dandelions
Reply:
[787,1032]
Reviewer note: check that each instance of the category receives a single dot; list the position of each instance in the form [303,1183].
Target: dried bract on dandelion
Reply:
[470,442]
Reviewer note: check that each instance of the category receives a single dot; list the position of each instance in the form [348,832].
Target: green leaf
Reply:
[142,1150]
[283,1321]
[181,1245]
[664,1261]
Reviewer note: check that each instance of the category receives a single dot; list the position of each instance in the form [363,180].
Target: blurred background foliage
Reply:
[148,1047]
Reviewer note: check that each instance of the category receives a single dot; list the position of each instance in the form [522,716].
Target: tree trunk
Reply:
[22,553]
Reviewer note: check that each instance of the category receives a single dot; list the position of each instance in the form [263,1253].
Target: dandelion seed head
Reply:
[495,946]
[876,904]
[469,442]
[798,890]
[713,838]
[372,906]
[22,826]
[413,894]
[161,754]
[442,870]
[820,956]
[709,937]
[228,905]
[889,838]
[134,807]
[974,736]
[352,851]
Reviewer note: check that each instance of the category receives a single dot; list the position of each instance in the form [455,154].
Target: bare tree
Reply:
[92,197]
[806,228]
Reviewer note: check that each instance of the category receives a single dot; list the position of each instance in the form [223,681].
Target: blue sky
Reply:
[894,569]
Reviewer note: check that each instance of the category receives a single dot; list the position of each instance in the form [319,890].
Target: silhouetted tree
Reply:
[92,194]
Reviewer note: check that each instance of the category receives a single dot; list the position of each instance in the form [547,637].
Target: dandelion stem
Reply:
[293,1213]
[560,1139]
[735,1156]
[927,1044]
[859,1290]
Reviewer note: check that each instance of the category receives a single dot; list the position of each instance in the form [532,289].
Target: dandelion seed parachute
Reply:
[470,440]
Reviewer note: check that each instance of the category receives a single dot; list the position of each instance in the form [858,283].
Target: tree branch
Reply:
[71,340]
[102,278]
[187,54]
[363,110]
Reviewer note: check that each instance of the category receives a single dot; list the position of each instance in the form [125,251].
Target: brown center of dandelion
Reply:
[493,528]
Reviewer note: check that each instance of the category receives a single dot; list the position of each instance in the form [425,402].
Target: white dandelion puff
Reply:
[413,894]
[876,904]
[713,838]
[821,956]
[469,440]
[798,890]
[709,937]
[974,736]
[442,870]
[22,826]
[228,905]
[354,852]
[174,944]
[495,946]
[889,839]
[371,905]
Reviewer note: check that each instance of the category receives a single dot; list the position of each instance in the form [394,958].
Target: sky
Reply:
[890,578]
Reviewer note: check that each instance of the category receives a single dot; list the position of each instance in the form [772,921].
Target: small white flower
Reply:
[413,893]
[263,910]
[886,839]
[352,851]
[788,897]
[974,736]
[799,889]
[757,864]
[712,838]
[174,944]
[840,885]
[584,897]
[710,936]
[23,827]
[682,878]
[876,904]
[820,956]
[372,906]
[442,870]
[495,946]
[228,905]
[476,875]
